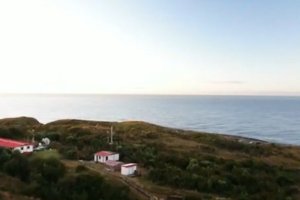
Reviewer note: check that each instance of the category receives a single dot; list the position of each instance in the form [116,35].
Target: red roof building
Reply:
[104,156]
[104,153]
[23,147]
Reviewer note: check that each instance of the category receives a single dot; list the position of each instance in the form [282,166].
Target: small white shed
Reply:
[128,169]
[103,156]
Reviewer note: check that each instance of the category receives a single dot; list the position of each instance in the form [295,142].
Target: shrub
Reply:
[17,166]
[50,169]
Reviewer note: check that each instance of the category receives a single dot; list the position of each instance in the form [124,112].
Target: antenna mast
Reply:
[111,136]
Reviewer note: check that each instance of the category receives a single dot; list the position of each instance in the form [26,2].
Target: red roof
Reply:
[105,153]
[7,143]
[129,165]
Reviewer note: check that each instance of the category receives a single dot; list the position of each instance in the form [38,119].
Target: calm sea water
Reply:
[275,119]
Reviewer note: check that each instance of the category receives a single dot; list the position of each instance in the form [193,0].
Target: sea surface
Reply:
[274,119]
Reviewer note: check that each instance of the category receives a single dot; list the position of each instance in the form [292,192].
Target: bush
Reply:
[17,166]
[247,179]
[12,132]
[5,155]
[46,178]
[4,133]
[49,169]
[89,186]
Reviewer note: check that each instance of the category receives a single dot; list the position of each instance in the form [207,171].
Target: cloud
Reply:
[232,82]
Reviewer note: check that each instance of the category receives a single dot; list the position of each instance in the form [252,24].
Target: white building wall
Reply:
[114,157]
[24,149]
[103,159]
[128,170]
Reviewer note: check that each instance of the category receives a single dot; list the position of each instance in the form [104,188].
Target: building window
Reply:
[22,148]
[28,147]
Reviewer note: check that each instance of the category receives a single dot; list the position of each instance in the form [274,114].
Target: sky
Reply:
[220,47]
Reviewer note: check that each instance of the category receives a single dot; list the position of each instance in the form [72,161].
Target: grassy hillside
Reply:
[196,165]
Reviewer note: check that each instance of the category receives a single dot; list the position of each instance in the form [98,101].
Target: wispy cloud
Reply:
[233,82]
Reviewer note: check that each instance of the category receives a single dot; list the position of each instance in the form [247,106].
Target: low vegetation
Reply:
[196,165]
[44,176]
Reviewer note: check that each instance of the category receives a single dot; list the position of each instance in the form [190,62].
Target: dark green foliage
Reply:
[78,143]
[200,167]
[81,187]
[147,155]
[88,186]
[248,179]
[50,169]
[12,132]
[46,178]
[69,152]
[4,132]
[5,155]
[17,166]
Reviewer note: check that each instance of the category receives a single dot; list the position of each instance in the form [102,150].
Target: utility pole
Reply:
[33,136]
[111,136]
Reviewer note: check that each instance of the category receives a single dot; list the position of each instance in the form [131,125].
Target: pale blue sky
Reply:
[150,47]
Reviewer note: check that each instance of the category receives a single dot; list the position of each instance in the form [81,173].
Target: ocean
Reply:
[274,119]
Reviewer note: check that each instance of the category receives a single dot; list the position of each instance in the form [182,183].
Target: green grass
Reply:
[47,154]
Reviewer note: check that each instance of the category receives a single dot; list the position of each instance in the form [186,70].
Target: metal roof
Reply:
[7,143]
[105,153]
[129,165]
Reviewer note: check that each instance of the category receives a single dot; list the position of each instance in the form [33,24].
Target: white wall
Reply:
[103,159]
[128,170]
[114,157]
[24,149]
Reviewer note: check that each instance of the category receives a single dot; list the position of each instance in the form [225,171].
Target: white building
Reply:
[14,145]
[103,156]
[128,169]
